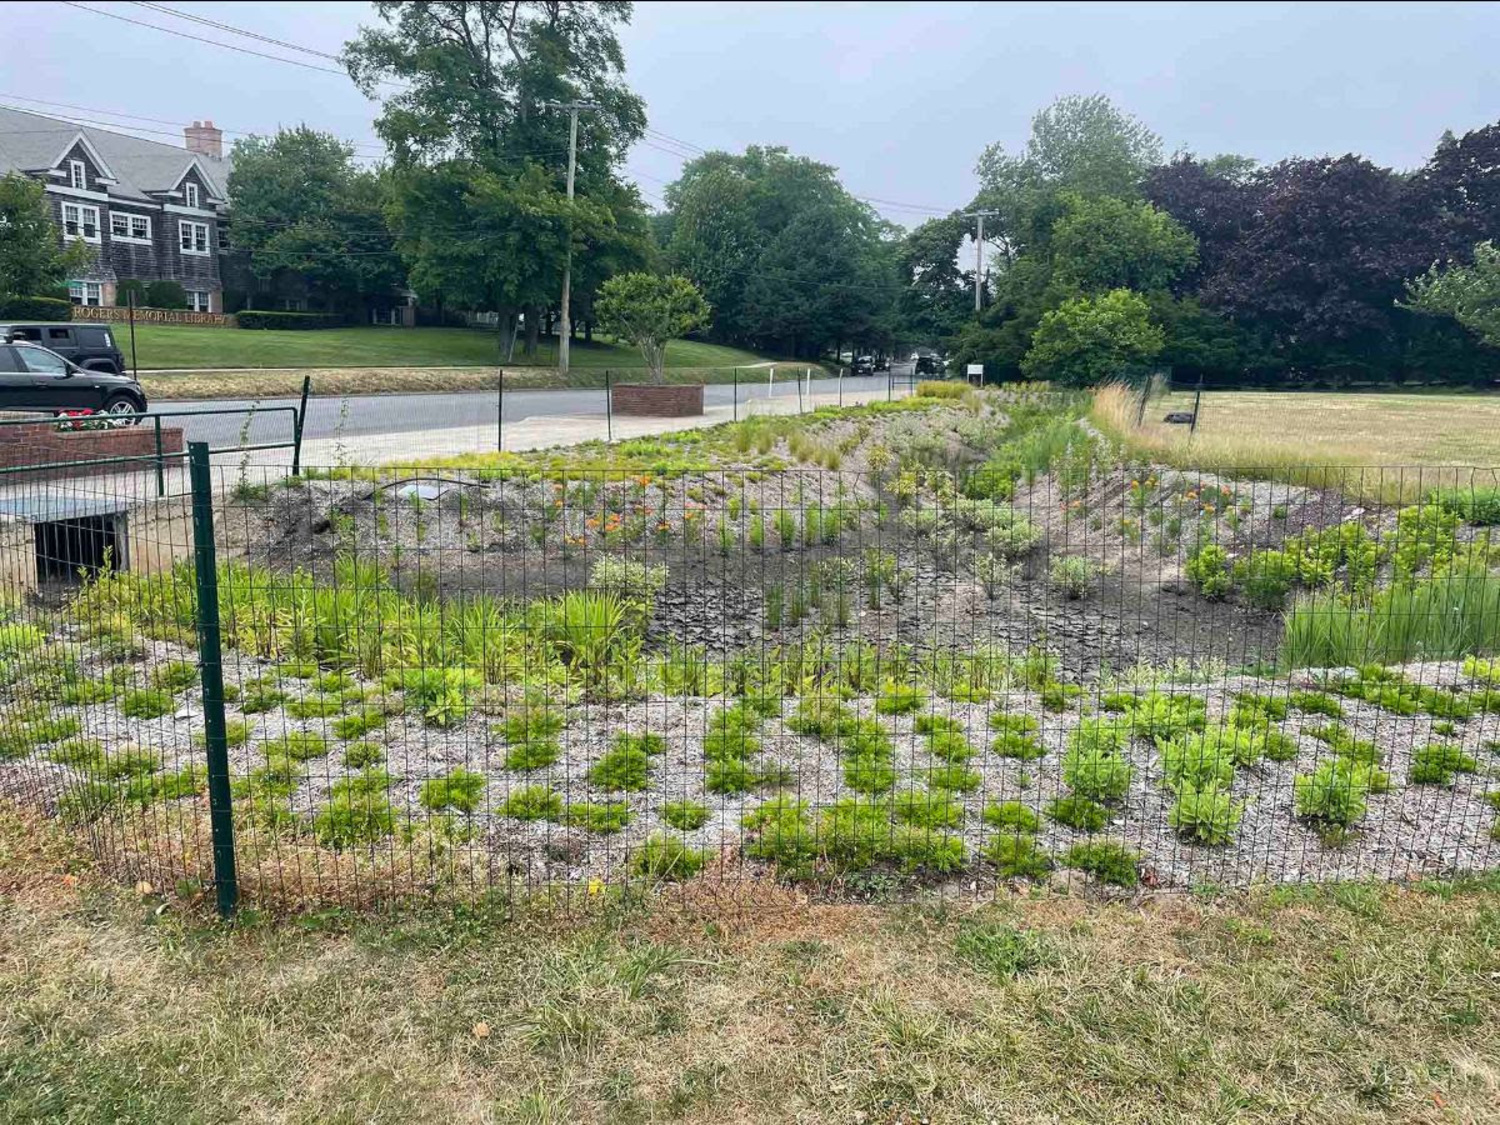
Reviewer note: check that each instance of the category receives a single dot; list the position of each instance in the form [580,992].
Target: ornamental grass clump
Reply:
[1438,762]
[626,767]
[1107,861]
[686,816]
[462,791]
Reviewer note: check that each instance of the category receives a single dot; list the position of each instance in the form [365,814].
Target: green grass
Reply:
[160,347]
[1263,1006]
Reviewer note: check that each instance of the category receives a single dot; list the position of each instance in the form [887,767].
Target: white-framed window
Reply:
[198,300]
[136,228]
[193,237]
[223,233]
[77,175]
[84,292]
[190,193]
[81,221]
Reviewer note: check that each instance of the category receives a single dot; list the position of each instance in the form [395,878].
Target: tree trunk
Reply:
[588,331]
[506,328]
[533,330]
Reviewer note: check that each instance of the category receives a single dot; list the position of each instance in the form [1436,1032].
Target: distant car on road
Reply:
[883,364]
[929,365]
[89,346]
[864,365]
[34,378]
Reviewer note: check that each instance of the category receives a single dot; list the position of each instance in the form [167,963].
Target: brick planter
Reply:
[43,444]
[656,400]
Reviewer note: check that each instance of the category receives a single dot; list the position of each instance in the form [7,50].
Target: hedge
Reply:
[36,308]
[257,318]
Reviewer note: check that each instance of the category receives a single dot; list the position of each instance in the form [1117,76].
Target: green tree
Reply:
[1106,243]
[936,298]
[1469,294]
[479,161]
[33,260]
[1091,340]
[300,204]
[649,310]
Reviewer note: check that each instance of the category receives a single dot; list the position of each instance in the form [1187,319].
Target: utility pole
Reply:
[979,217]
[565,322]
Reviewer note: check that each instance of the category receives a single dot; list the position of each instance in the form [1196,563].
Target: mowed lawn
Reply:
[1269,429]
[1345,1004]
[163,346]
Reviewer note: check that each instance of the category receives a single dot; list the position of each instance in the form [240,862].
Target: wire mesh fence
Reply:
[866,681]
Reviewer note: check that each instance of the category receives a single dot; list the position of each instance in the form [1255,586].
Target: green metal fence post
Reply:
[161,473]
[211,667]
[301,421]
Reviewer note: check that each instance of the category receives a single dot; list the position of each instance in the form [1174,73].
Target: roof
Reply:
[30,142]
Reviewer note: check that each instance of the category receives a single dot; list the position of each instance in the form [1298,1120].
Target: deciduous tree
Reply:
[650,310]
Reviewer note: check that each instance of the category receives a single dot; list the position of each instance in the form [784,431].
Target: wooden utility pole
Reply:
[565,321]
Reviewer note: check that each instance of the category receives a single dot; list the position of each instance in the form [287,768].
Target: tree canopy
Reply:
[649,310]
[34,262]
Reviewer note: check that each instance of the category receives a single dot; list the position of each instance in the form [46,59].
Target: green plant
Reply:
[900,699]
[1012,816]
[299,746]
[686,816]
[1079,813]
[144,703]
[604,819]
[1204,813]
[1017,855]
[236,733]
[1334,793]
[1105,860]
[532,802]
[869,773]
[1317,703]
[1093,766]
[315,707]
[363,755]
[1437,762]
[1073,576]
[260,699]
[462,790]
[949,746]
[953,777]
[84,754]
[531,734]
[1207,569]
[1021,746]
[666,857]
[359,724]
[626,767]
[358,811]
[822,716]
[929,809]
[442,694]
[1002,951]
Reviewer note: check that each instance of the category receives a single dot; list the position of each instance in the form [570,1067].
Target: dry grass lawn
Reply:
[1349,1004]
[1283,432]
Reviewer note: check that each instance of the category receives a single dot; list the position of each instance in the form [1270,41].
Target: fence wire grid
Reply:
[445,684]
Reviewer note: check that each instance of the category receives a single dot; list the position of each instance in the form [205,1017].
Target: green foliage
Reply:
[442,694]
[1334,793]
[626,767]
[950,746]
[461,790]
[900,699]
[532,802]
[1478,505]
[1080,813]
[1105,860]
[929,809]
[236,733]
[1468,293]
[85,754]
[1204,813]
[666,857]
[731,735]
[33,259]
[1103,243]
[731,776]
[1160,715]
[1017,855]
[1091,340]
[869,773]
[1202,760]
[358,811]
[363,755]
[1207,569]
[144,703]
[260,699]
[1437,762]
[1317,703]
[1012,816]
[175,676]
[1094,766]
[299,746]
[531,732]
[824,717]
[315,707]
[649,310]
[688,816]
[953,777]
[358,724]
[605,819]
[1024,747]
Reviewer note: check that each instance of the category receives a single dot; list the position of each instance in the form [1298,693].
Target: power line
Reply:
[164,10]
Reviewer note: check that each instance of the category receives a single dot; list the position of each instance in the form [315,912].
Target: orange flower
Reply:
[592,521]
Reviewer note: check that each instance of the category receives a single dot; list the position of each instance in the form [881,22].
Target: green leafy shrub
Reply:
[363,755]
[687,816]
[359,724]
[1207,569]
[1078,813]
[531,734]
[1317,703]
[462,790]
[859,833]
[1105,860]
[145,703]
[1205,813]
[442,694]
[358,811]
[730,776]
[178,675]
[1160,715]
[1072,576]
[900,699]
[731,735]
[299,746]
[1200,760]
[1437,762]
[604,819]
[1021,746]
[929,809]
[129,761]
[950,746]
[869,773]
[1266,578]
[1093,766]
[1478,505]
[953,777]
[1017,855]
[666,857]
[626,767]
[533,802]
[1013,816]
[1333,794]
[648,744]
[1251,709]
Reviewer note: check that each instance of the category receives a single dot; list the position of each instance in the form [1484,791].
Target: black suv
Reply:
[89,346]
[33,378]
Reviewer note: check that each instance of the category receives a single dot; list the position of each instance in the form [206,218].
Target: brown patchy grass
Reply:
[1289,434]
[1349,1004]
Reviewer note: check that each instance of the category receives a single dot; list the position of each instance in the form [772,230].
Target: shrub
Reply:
[936,388]
[730,776]
[165,294]
[1437,762]
[1105,860]
[731,735]
[1078,813]
[899,699]
[1200,760]
[950,746]
[533,802]
[78,753]
[1072,576]
[869,773]
[1013,539]
[277,319]
[1207,569]
[688,816]
[236,733]
[1479,505]
[531,732]
[604,819]
[1334,793]
[823,717]
[129,761]
[1093,767]
[363,755]
[1317,703]
[358,811]
[1024,747]
[442,694]
[299,746]
[666,857]
[1206,813]
[928,809]
[953,777]
[36,308]
[1012,815]
[178,675]
[359,724]
[1017,855]
[145,703]
[626,767]
[462,790]
[1159,715]
[1266,578]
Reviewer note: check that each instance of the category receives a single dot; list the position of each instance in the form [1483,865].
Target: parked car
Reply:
[929,365]
[90,346]
[883,364]
[864,365]
[35,378]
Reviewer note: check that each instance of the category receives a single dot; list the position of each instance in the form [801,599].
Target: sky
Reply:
[900,97]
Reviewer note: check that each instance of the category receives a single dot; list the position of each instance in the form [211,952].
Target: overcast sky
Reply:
[900,97]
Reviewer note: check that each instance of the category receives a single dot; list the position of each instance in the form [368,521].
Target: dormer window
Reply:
[77,175]
[190,193]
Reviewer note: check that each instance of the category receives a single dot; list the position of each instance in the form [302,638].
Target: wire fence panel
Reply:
[866,679]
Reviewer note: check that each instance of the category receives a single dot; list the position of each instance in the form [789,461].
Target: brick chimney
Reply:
[204,139]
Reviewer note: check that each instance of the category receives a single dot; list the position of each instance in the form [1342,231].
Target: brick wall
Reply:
[42,443]
[656,401]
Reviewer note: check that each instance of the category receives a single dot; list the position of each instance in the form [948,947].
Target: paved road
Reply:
[391,414]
